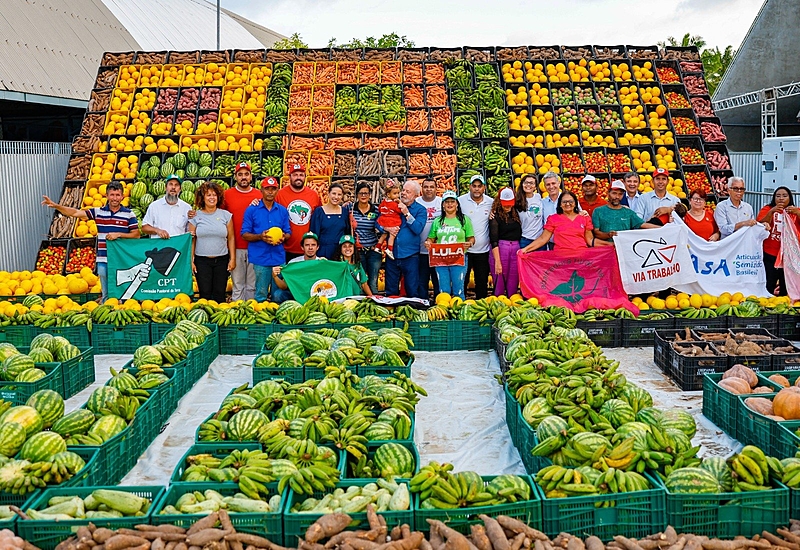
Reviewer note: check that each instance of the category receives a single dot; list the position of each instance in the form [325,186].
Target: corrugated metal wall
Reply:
[28,170]
[748,166]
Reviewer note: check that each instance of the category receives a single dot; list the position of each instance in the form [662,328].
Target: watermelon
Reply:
[719,468]
[637,397]
[297,427]
[102,398]
[44,341]
[536,410]
[167,169]
[198,316]
[7,350]
[267,389]
[550,426]
[158,188]
[589,441]
[289,412]
[394,460]
[15,365]
[74,423]
[108,426]
[510,481]
[265,361]
[329,386]
[138,190]
[205,159]
[178,160]
[191,170]
[650,416]
[195,337]
[28,417]
[147,355]
[30,375]
[49,404]
[153,172]
[617,412]
[244,425]
[187,197]
[193,154]
[42,446]
[41,355]
[12,438]
[295,347]
[155,160]
[204,172]
[692,480]
[122,381]
[178,340]
[67,352]
[190,186]
[380,431]
[145,201]
[316,318]
[312,342]
[72,461]
[679,420]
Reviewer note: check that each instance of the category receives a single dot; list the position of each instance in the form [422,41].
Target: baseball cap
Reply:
[269,182]
[242,166]
[296,168]
[589,177]
[449,195]
[309,235]
[175,177]
[617,184]
[345,239]
[507,197]
[477,177]
[660,172]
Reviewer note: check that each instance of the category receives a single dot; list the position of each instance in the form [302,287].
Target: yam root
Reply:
[101,535]
[777,541]
[216,545]
[410,543]
[396,533]
[627,543]
[206,523]
[479,538]
[517,526]
[405,531]
[594,543]
[716,544]
[225,521]
[158,544]
[425,545]
[679,544]
[455,540]
[516,543]
[206,536]
[118,542]
[372,517]
[235,545]
[327,526]
[435,537]
[788,535]
[495,533]
[363,544]
[181,546]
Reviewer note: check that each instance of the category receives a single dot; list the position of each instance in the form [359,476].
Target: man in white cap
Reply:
[476,205]
[590,199]
[613,217]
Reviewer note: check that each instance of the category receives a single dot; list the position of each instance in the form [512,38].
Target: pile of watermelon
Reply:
[45,348]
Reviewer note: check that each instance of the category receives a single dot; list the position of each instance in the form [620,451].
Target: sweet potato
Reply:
[516,543]
[166,528]
[435,537]
[479,538]
[327,526]
[362,544]
[495,533]
[207,522]
[594,543]
[777,541]
[425,545]
[678,544]
[517,526]
[158,544]
[206,536]
[627,543]
[118,542]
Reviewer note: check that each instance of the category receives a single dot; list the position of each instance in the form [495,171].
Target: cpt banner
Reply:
[654,259]
[734,264]
[150,269]
[319,278]
[576,279]
[446,255]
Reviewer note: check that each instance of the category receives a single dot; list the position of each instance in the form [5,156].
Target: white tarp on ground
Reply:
[462,420]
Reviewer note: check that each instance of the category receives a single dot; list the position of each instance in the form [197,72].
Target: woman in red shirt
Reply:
[570,230]
[700,220]
[775,215]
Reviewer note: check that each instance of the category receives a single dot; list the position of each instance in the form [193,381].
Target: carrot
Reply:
[434,73]
[369,72]
[351,128]
[417,120]
[390,72]
[412,73]
[372,143]
[413,97]
[346,143]
[417,142]
[323,96]
[299,121]
[437,96]
[419,163]
[444,142]
[326,72]
[394,126]
[294,157]
[300,97]
[303,73]
[441,120]
[444,163]
[347,72]
[322,121]
[299,143]
[320,163]
[319,184]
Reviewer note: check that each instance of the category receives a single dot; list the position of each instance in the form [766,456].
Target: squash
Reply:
[735,385]
[761,405]
[745,373]
[781,380]
[763,389]
[787,403]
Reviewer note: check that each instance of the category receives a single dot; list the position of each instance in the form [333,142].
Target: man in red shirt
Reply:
[300,201]
[237,199]
[590,200]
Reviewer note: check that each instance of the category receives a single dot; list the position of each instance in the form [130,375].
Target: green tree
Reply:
[294,41]
[392,40]
[715,61]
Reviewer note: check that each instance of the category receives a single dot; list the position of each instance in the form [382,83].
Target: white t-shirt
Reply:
[434,209]
[479,216]
[533,218]
[173,218]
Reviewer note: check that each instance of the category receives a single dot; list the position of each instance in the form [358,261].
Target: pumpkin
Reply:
[763,389]
[760,405]
[787,403]
[781,380]
[745,373]
[735,385]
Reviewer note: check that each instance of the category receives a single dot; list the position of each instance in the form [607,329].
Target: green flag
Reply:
[150,269]
[320,278]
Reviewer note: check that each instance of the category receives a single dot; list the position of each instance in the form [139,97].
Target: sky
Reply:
[483,23]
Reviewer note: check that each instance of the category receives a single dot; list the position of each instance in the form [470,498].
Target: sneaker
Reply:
[389,253]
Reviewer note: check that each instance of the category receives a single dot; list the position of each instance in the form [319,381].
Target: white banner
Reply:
[654,259]
[734,264]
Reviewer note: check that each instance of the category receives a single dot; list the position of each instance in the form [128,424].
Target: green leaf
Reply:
[569,289]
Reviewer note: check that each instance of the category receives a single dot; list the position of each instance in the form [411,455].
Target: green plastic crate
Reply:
[788,443]
[528,511]
[211,345]
[728,515]
[721,406]
[243,339]
[218,449]
[428,335]
[159,330]
[347,474]
[293,375]
[384,372]
[374,327]
[48,534]
[146,425]
[529,440]
[115,457]
[295,525]
[11,523]
[469,336]
[78,372]
[17,335]
[634,515]
[19,392]
[766,322]
[512,417]
[753,428]
[267,525]
[77,336]
[168,392]
[126,339]
[607,334]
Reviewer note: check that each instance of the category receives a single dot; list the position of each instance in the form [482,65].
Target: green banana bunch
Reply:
[465,127]
[750,470]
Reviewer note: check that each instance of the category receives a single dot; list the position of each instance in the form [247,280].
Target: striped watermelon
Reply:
[297,426]
[59,342]
[636,397]
[41,355]
[394,460]
[15,365]
[719,468]
[147,355]
[12,438]
[267,389]
[679,420]
[108,426]
[28,417]
[45,341]
[67,352]
[650,416]
[550,426]
[193,154]
[380,431]
[510,481]
[536,410]
[289,412]
[7,350]
[175,338]
[102,398]
[72,461]
[74,423]
[32,300]
[30,375]
[198,316]
[617,412]
[692,480]
[205,159]
[122,380]
[244,425]
[42,446]
[49,404]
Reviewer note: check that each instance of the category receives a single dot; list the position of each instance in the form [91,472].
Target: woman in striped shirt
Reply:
[364,216]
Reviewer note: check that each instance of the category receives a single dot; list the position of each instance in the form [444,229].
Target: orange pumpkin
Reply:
[780,380]
[787,403]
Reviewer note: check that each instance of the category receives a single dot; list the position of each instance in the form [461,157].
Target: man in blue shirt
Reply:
[406,244]
[265,251]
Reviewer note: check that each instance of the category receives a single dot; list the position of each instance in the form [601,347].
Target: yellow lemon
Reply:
[696,300]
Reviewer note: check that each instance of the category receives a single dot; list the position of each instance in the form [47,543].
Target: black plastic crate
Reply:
[766,322]
[687,372]
[641,332]
[710,323]
[785,361]
[788,326]
[605,334]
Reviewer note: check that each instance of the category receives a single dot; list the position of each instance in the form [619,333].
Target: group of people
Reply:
[251,233]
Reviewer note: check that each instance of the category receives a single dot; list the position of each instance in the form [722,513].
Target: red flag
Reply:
[576,279]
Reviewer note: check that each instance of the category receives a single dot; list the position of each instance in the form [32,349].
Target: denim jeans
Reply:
[409,269]
[426,274]
[451,279]
[264,283]
[523,242]
[102,273]
[371,261]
